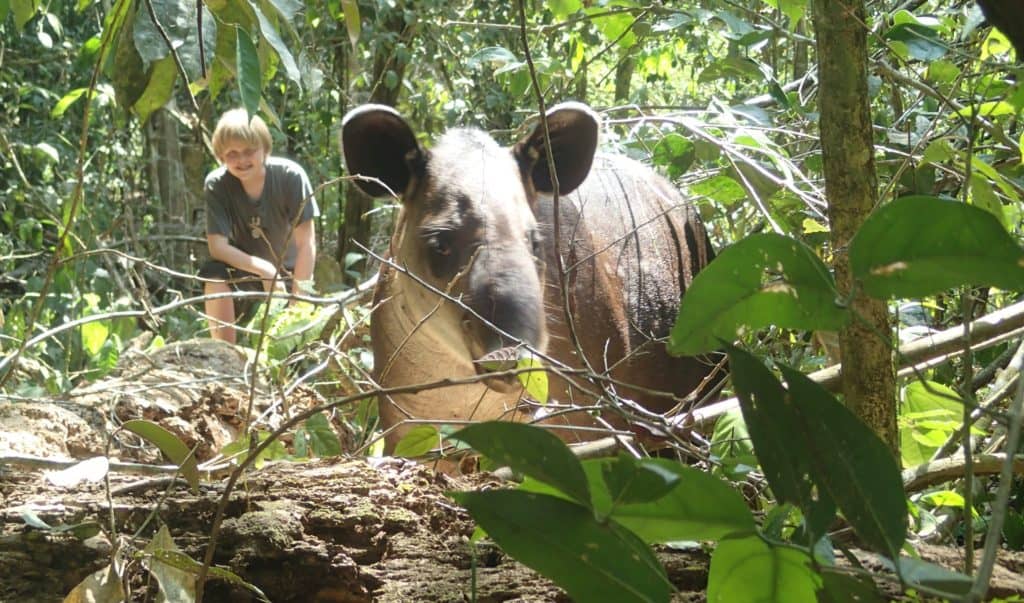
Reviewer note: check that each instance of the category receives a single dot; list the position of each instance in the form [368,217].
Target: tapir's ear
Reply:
[378,143]
[573,130]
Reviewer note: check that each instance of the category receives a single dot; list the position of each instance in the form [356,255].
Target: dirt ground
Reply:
[340,529]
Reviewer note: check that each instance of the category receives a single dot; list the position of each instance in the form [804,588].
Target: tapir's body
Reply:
[475,268]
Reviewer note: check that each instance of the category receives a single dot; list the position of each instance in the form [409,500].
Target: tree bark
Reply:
[868,379]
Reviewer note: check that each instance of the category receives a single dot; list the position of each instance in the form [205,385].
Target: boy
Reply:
[252,201]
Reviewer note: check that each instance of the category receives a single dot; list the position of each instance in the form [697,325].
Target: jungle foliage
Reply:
[104,109]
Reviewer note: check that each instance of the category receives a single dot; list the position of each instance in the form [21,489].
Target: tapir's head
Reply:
[468,225]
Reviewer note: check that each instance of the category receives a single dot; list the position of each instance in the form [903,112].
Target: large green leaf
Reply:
[353,25]
[917,572]
[631,481]
[23,11]
[770,419]
[929,413]
[178,22]
[917,246]
[159,89]
[765,279]
[170,445]
[418,441]
[730,442]
[747,569]
[249,75]
[560,539]
[851,463]
[271,35]
[923,43]
[700,506]
[529,450]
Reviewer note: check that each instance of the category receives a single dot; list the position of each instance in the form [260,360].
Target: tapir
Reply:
[479,268]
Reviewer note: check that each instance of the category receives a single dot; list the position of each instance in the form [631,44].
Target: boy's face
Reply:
[243,161]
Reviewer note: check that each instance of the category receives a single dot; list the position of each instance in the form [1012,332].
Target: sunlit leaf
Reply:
[175,584]
[918,399]
[730,441]
[353,25]
[918,246]
[561,9]
[721,189]
[675,153]
[89,470]
[162,75]
[529,450]
[747,568]
[418,441]
[764,279]
[170,445]
[271,35]
[535,381]
[561,540]
[102,585]
[94,334]
[23,11]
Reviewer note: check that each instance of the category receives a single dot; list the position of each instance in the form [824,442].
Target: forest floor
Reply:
[340,529]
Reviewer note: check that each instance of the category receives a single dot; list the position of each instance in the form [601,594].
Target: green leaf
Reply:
[561,9]
[183,562]
[614,26]
[5,9]
[322,438]
[942,72]
[418,441]
[720,189]
[561,540]
[353,25]
[175,583]
[94,335]
[249,76]
[158,90]
[923,42]
[851,463]
[762,280]
[700,506]
[916,404]
[271,35]
[917,246]
[536,381]
[529,450]
[170,445]
[675,153]
[987,109]
[922,573]
[838,587]
[747,569]
[23,11]
[770,420]
[630,481]
[731,443]
[66,101]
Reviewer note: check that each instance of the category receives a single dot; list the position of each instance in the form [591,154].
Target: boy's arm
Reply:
[305,257]
[221,249]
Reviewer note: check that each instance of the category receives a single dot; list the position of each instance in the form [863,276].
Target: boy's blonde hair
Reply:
[235,126]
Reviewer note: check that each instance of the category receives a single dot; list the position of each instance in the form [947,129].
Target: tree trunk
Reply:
[869,382]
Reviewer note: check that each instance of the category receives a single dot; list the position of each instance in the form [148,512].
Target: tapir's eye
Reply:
[440,242]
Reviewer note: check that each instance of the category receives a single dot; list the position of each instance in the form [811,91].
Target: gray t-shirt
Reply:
[250,225]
